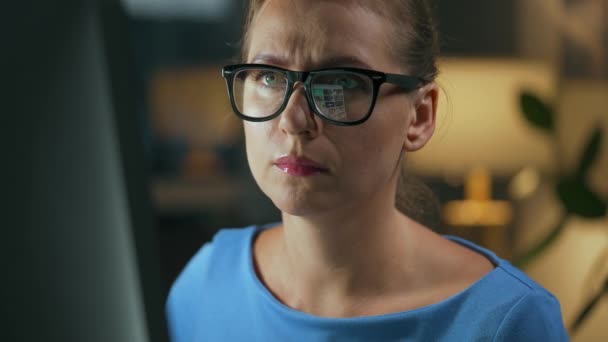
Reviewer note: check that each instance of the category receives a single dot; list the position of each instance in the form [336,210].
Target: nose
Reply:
[297,117]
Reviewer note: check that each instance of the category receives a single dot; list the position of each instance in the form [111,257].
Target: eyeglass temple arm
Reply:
[408,83]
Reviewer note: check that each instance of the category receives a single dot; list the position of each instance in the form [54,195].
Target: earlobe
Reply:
[422,123]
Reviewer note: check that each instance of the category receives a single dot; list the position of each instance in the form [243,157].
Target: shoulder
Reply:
[514,306]
[204,275]
[227,245]
[536,316]
[528,311]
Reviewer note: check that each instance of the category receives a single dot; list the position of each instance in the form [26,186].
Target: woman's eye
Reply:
[269,79]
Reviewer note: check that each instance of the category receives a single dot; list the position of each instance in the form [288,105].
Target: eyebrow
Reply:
[333,61]
[343,61]
[263,58]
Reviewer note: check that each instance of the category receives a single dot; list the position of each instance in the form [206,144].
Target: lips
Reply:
[299,166]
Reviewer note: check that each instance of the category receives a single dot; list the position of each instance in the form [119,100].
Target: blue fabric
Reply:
[218,297]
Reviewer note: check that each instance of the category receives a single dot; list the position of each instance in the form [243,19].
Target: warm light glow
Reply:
[478,208]
[480,121]
[477,213]
[191,103]
[478,186]
[524,184]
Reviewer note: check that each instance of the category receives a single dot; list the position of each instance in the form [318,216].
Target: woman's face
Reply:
[353,165]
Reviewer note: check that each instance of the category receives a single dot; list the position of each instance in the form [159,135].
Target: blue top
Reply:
[218,297]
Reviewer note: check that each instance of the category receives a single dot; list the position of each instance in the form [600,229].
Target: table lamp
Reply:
[481,133]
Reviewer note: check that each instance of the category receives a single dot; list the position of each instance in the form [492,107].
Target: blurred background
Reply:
[525,104]
[519,161]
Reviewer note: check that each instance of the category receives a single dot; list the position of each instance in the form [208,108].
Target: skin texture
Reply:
[343,249]
[357,170]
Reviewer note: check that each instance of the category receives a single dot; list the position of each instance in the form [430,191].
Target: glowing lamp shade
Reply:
[479,121]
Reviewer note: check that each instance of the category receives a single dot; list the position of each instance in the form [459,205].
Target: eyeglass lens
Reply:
[338,95]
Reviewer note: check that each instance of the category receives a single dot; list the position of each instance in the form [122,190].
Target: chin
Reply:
[298,203]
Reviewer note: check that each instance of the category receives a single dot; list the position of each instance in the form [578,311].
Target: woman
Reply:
[334,95]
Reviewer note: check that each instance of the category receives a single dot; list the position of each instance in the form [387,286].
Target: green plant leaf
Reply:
[591,152]
[540,247]
[590,306]
[579,200]
[536,111]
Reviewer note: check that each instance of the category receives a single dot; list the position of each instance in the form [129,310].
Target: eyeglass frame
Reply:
[406,82]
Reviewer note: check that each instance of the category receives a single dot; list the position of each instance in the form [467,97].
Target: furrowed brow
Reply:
[330,62]
[263,58]
[342,61]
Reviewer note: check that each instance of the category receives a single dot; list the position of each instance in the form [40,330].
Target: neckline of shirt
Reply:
[300,316]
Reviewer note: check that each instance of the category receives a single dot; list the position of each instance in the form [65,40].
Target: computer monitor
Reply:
[79,259]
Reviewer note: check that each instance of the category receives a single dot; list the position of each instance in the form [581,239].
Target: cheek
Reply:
[383,134]
[374,150]
[370,157]
[255,136]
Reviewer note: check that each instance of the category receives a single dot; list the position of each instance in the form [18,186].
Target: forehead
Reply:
[306,33]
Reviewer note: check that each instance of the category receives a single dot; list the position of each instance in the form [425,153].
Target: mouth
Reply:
[299,166]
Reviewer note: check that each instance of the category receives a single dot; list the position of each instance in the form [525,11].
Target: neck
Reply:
[342,255]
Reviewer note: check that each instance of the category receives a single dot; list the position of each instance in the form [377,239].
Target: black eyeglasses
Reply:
[342,96]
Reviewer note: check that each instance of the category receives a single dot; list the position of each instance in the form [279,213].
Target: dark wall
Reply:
[477,27]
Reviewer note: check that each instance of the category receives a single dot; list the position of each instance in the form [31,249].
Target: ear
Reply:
[422,122]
